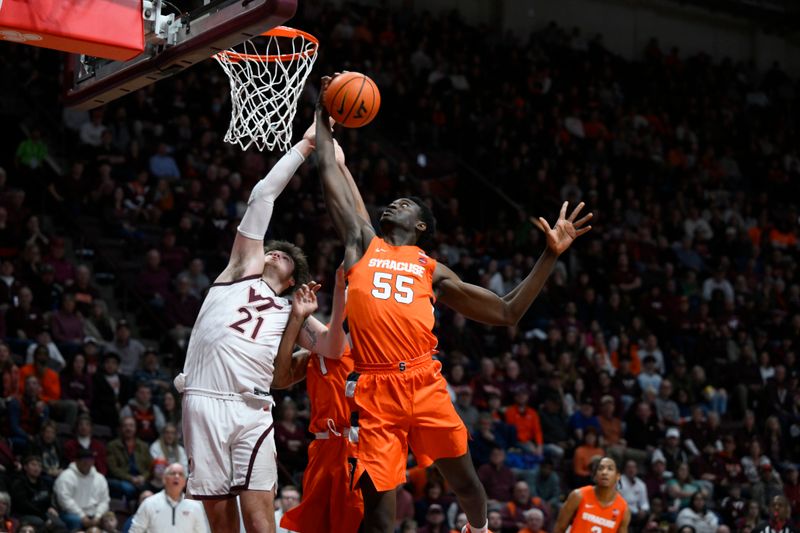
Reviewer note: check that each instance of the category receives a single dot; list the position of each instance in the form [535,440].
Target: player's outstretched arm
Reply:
[339,197]
[626,521]
[361,209]
[567,512]
[247,254]
[482,305]
[298,364]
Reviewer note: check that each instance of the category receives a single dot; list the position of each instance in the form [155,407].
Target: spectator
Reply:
[56,360]
[7,523]
[76,383]
[496,477]
[513,513]
[681,487]
[779,518]
[149,418]
[534,521]
[198,281]
[434,520]
[128,461]
[84,440]
[82,492]
[791,488]
[172,410]
[554,427]
[698,516]
[666,409]
[468,413]
[488,435]
[99,324]
[289,499]
[181,311]
[754,461]
[153,281]
[657,478]
[26,415]
[495,519]
[129,350]
[67,326]
[649,378]
[167,447]
[768,486]
[153,376]
[583,419]
[47,447]
[290,437]
[634,491]
[163,165]
[641,431]
[110,391]
[63,268]
[32,152]
[673,451]
[159,513]
[31,496]
[585,455]
[546,485]
[526,420]
[651,348]
[9,372]
[24,320]
[84,290]
[91,133]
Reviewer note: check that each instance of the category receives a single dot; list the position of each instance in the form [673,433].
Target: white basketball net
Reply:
[266,82]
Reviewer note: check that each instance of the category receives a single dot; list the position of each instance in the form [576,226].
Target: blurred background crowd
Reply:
[666,338]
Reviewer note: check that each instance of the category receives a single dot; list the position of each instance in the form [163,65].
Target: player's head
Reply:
[410,213]
[606,473]
[288,263]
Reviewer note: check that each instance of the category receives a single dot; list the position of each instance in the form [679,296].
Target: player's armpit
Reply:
[318,338]
[567,512]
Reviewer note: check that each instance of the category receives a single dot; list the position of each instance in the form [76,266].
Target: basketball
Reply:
[352,99]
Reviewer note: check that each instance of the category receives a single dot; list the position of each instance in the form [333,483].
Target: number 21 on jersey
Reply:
[386,285]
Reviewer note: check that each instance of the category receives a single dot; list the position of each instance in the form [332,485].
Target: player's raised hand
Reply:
[566,229]
[304,299]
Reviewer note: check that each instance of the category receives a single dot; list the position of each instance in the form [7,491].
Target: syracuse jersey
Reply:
[592,517]
[236,337]
[390,303]
[325,381]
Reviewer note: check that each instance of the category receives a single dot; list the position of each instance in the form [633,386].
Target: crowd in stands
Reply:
[667,338]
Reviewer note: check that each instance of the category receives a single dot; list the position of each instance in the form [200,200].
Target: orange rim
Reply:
[278,31]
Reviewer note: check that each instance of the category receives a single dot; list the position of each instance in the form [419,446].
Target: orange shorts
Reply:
[328,503]
[397,408]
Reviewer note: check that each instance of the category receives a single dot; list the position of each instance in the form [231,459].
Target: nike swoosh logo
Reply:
[341,107]
[380,250]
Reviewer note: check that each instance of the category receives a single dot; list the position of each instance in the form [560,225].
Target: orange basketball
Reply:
[352,99]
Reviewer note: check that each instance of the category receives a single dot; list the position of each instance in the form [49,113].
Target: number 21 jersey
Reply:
[236,336]
[390,303]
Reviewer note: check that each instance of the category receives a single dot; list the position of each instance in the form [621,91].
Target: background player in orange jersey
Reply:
[400,395]
[596,509]
[331,502]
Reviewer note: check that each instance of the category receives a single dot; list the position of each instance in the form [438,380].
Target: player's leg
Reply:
[258,510]
[461,476]
[223,515]
[379,507]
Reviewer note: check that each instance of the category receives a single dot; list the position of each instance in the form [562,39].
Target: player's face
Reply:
[402,212]
[281,262]
[607,474]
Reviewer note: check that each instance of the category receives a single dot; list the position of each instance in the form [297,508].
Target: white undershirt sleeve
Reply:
[256,218]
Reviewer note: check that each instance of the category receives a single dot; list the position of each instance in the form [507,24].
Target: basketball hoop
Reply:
[266,80]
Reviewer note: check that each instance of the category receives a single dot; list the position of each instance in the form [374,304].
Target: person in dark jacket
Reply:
[110,391]
[31,497]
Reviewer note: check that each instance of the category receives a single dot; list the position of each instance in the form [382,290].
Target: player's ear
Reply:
[421,226]
[291,282]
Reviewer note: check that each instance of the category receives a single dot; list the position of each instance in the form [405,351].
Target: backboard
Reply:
[174,41]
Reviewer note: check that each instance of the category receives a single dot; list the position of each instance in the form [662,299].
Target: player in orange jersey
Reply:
[596,509]
[330,501]
[399,392]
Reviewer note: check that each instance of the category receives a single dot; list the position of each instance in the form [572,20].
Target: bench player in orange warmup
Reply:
[398,390]
[330,502]
[597,508]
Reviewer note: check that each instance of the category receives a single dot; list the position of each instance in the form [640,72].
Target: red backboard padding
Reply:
[111,29]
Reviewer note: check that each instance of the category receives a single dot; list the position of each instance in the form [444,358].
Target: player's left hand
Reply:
[565,230]
[304,300]
[310,134]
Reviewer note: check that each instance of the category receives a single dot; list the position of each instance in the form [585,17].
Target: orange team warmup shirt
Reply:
[329,503]
[591,517]
[51,385]
[529,428]
[390,304]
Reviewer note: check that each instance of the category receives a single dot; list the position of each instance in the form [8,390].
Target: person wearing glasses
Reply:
[169,510]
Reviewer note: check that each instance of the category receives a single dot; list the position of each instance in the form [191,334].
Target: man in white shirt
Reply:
[81,492]
[289,499]
[634,492]
[168,510]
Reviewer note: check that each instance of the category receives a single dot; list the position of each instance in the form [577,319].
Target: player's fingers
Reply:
[582,231]
[576,211]
[583,221]
[544,224]
[563,213]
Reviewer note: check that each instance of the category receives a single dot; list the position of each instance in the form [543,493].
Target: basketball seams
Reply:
[355,100]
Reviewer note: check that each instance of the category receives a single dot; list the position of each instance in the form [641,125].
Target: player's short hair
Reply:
[301,273]
[426,215]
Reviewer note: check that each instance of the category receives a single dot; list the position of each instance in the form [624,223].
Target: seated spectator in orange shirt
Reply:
[581,462]
[513,513]
[534,521]
[62,410]
[526,420]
